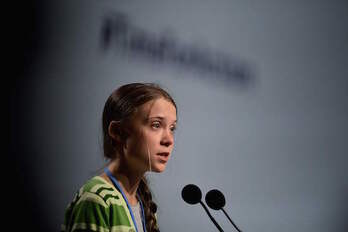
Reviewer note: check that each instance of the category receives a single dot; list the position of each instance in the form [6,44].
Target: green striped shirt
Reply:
[98,206]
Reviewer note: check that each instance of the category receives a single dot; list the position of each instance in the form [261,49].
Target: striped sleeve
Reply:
[97,207]
[90,213]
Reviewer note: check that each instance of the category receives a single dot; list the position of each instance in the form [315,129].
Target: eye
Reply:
[156,124]
[173,129]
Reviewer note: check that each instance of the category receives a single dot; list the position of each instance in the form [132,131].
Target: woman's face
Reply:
[151,139]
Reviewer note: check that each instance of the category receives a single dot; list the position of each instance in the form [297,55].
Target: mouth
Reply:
[164,156]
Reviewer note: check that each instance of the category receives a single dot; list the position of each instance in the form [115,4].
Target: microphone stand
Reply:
[211,217]
[230,220]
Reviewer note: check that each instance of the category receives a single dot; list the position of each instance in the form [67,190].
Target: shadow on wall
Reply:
[23,45]
[118,33]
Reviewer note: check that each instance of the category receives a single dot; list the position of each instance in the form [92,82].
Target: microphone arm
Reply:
[211,217]
[231,220]
[216,200]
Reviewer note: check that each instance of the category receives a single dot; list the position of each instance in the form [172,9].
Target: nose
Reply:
[167,138]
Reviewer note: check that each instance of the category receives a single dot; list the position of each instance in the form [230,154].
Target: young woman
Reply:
[138,136]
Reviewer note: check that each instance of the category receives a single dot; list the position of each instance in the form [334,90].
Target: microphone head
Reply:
[191,194]
[215,199]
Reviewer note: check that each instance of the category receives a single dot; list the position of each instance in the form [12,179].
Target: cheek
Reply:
[143,141]
[149,135]
[152,139]
[134,142]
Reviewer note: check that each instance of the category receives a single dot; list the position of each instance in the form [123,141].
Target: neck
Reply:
[128,179]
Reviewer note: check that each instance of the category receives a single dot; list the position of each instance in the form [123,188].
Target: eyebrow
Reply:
[162,118]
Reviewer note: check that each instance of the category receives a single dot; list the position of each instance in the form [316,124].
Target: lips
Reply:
[163,156]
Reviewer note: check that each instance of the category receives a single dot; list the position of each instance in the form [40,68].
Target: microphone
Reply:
[216,200]
[193,195]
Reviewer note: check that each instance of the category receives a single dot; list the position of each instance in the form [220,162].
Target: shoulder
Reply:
[98,190]
[92,205]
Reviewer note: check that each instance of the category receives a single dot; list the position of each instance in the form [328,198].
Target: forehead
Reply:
[158,108]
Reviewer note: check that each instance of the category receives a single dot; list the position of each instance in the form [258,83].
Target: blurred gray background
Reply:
[275,146]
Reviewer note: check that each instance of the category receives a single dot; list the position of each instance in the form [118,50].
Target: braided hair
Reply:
[150,206]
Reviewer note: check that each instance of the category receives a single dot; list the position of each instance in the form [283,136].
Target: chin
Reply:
[159,168]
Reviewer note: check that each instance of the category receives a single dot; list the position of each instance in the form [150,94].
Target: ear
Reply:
[115,131]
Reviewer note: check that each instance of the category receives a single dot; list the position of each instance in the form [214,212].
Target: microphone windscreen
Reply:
[215,199]
[191,194]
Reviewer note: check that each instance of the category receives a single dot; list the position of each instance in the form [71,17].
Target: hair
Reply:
[120,106]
